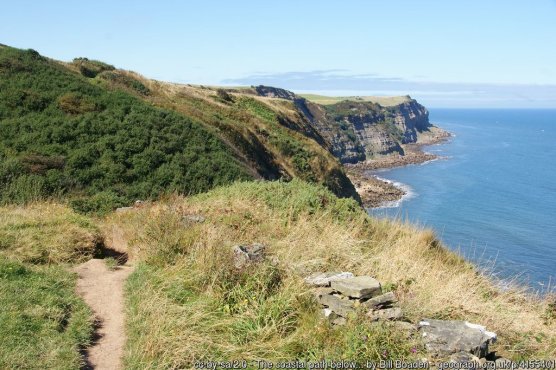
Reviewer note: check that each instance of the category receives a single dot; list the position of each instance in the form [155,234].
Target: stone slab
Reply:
[323,279]
[360,287]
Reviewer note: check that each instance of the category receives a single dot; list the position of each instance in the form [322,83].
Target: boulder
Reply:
[341,307]
[394,313]
[445,337]
[360,287]
[385,299]
[323,279]
[245,254]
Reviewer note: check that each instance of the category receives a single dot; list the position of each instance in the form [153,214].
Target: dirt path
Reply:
[102,288]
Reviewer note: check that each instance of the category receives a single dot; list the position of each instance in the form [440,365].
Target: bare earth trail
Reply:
[102,289]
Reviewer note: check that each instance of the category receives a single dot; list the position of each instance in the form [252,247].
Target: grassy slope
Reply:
[385,101]
[43,324]
[269,135]
[186,303]
[63,134]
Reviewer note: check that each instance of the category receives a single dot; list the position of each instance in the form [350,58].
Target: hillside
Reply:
[103,138]
[62,135]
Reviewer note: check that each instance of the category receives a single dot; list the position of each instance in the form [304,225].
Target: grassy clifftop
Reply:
[385,101]
[186,302]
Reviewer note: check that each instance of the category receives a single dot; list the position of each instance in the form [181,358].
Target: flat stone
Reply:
[394,313]
[360,287]
[341,307]
[325,278]
[124,209]
[445,337]
[385,299]
[245,254]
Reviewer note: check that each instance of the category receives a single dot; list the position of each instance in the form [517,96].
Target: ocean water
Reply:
[494,198]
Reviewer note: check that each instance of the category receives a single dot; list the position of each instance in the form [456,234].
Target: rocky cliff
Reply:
[355,130]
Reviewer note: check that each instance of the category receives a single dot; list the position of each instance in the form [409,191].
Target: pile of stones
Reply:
[342,294]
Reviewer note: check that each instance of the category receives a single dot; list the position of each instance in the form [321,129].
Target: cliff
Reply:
[358,129]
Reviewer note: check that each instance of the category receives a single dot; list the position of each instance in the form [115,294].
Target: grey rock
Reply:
[325,278]
[124,209]
[245,254]
[360,287]
[385,299]
[333,317]
[445,337]
[322,291]
[341,307]
[394,313]
[463,357]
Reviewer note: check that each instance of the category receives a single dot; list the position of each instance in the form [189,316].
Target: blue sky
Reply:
[445,53]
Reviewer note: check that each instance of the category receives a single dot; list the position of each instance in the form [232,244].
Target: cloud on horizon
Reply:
[434,94]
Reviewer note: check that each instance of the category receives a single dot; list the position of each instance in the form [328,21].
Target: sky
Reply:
[474,53]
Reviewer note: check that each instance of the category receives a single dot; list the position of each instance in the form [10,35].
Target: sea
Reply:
[492,198]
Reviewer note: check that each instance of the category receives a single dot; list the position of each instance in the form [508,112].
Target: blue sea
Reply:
[493,198]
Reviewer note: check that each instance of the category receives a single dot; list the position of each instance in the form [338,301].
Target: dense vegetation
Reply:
[63,134]
[271,135]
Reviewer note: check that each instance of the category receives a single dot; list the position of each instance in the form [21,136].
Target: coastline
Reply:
[376,192]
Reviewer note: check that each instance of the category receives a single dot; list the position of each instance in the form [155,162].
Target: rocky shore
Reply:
[375,192]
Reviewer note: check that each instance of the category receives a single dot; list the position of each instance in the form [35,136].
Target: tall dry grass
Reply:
[47,233]
[187,303]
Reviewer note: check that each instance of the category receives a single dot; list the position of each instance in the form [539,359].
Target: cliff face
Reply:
[357,130]
[411,118]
